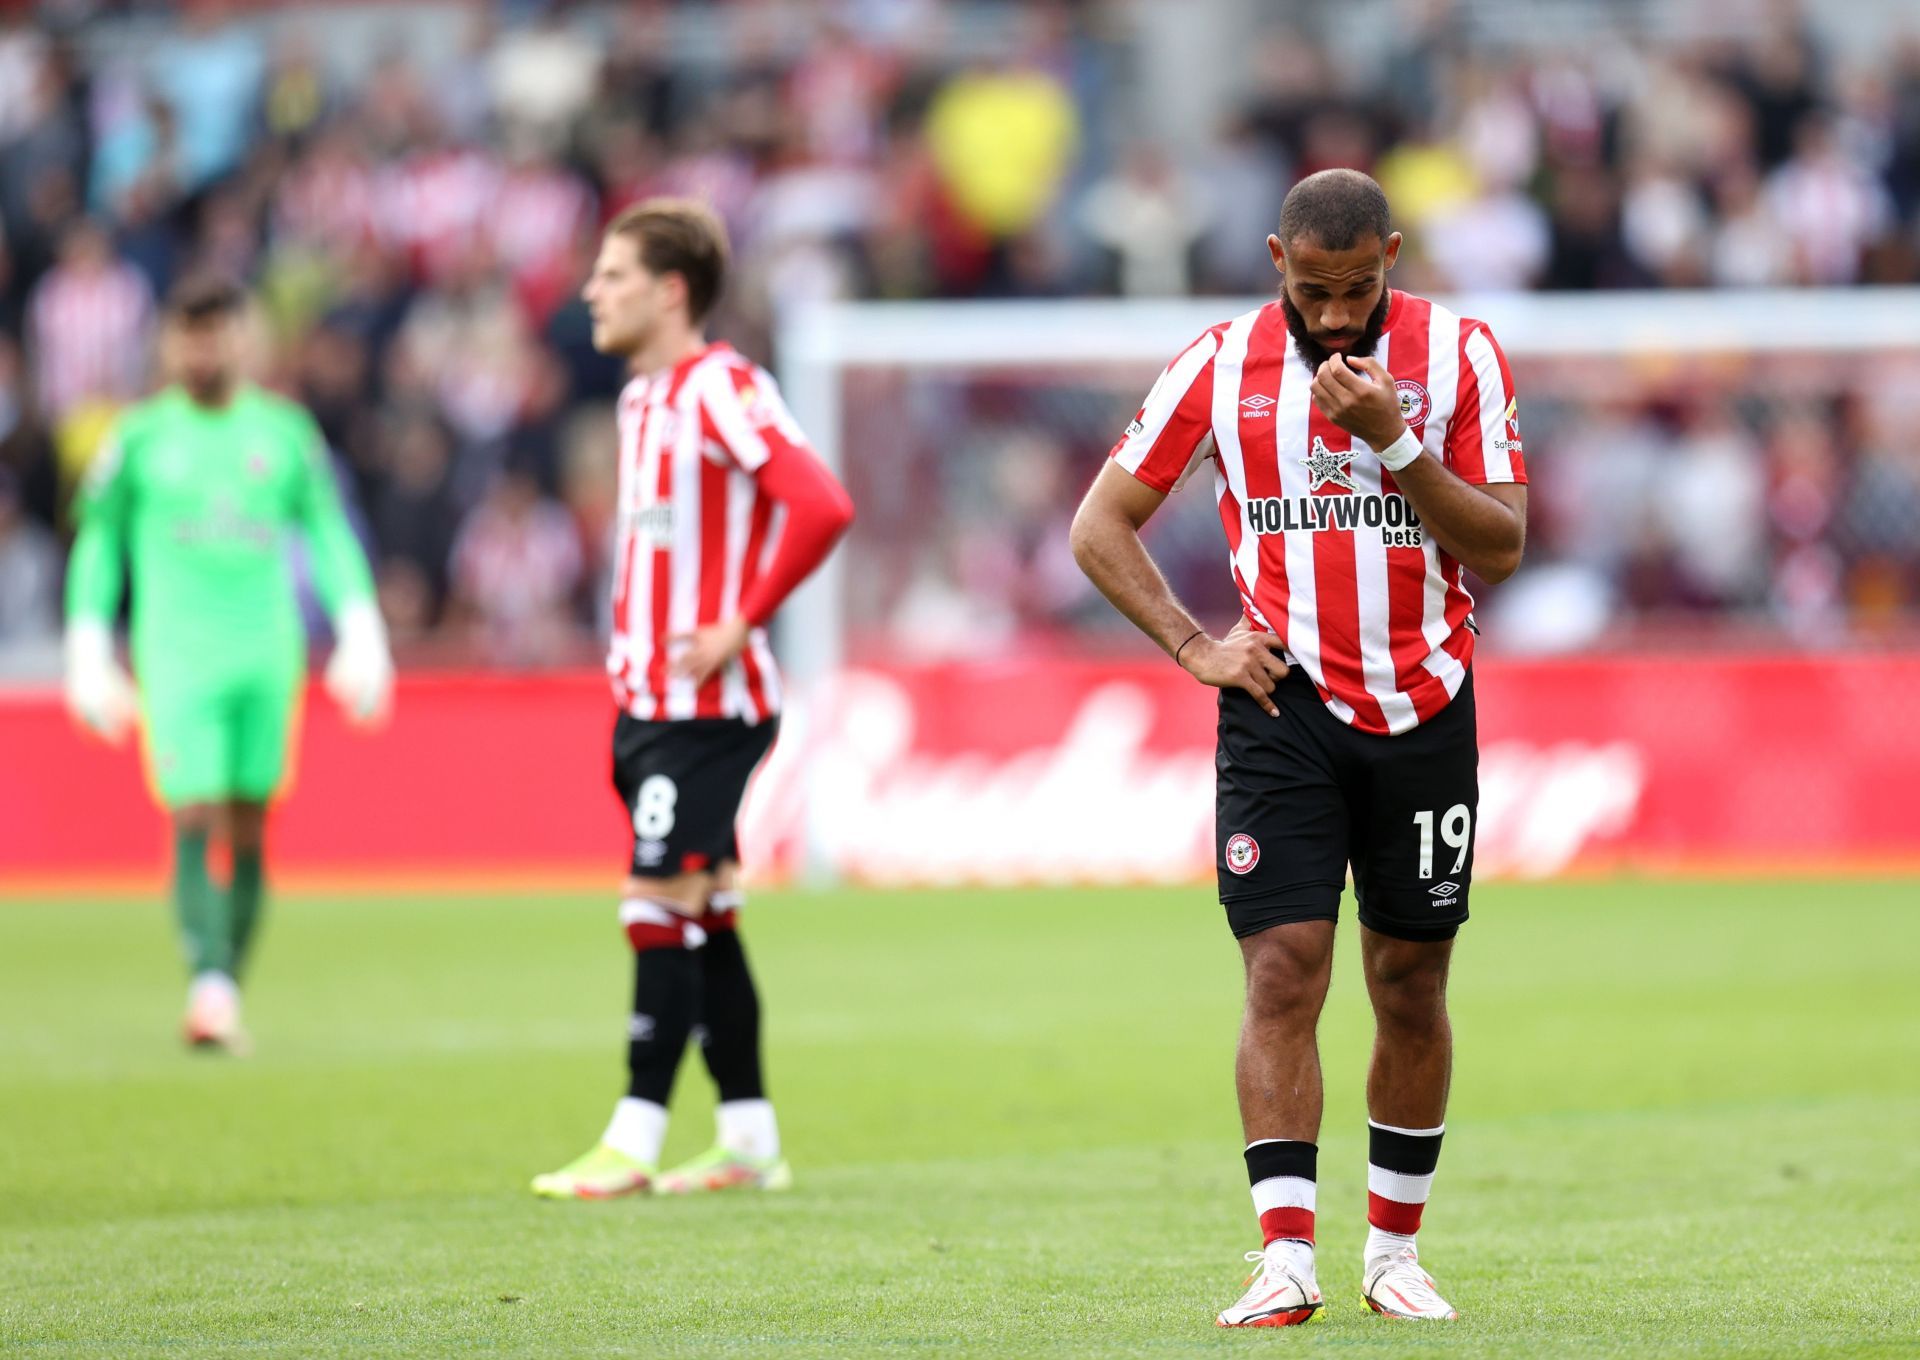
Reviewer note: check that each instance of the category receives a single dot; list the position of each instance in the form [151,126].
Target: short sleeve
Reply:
[1483,438]
[1175,421]
[747,416]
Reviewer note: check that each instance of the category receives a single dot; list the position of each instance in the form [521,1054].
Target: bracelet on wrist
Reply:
[1400,452]
[1183,646]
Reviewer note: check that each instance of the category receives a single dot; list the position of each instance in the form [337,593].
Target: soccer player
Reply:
[1365,450]
[196,491]
[724,510]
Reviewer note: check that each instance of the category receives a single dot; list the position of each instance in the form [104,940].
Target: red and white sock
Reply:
[1400,1165]
[1283,1173]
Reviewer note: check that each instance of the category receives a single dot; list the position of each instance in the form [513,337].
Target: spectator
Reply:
[418,234]
[1827,205]
[210,70]
[88,325]
[29,575]
[1002,140]
[541,77]
[1148,216]
[516,568]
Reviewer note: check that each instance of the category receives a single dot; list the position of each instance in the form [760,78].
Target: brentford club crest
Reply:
[1413,401]
[1243,852]
[1328,465]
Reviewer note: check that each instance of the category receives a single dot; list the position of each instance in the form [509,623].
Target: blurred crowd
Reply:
[415,233]
[1681,502]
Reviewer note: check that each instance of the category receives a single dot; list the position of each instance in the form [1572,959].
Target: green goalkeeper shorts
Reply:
[212,739]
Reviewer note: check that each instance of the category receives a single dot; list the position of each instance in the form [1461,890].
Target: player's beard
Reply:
[208,388]
[1313,352]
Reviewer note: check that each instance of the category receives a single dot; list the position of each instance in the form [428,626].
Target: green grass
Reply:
[1684,1123]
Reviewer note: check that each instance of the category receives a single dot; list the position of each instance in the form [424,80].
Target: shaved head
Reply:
[1335,210]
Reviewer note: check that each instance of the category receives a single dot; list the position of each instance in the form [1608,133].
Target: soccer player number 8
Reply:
[653,808]
[1456,829]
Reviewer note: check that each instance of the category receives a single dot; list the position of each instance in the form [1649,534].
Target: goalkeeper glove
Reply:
[100,695]
[359,674]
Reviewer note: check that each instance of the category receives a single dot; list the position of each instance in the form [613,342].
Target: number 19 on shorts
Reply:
[1456,829]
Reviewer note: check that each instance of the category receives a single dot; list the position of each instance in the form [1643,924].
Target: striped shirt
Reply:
[695,531]
[88,335]
[1326,551]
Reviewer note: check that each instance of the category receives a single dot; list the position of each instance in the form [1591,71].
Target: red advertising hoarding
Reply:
[1034,771]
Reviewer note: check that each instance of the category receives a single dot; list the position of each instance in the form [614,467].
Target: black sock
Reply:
[730,1018]
[666,998]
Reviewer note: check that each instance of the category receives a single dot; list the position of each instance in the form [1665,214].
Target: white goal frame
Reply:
[818,343]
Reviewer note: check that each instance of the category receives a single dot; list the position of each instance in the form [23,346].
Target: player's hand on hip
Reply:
[359,674]
[1249,660]
[701,653]
[99,694]
[1358,395]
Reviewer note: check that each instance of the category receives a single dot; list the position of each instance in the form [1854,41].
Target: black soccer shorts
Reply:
[682,782]
[1300,797]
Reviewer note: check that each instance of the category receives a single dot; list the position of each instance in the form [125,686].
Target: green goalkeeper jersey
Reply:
[201,501]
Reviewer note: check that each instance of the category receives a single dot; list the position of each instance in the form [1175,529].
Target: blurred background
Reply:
[1695,228]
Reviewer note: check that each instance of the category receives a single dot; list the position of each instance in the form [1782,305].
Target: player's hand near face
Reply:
[705,650]
[1243,659]
[1358,395]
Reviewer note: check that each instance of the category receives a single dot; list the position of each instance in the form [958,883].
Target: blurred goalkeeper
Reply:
[197,489]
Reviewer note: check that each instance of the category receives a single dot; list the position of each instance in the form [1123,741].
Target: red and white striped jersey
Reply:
[695,531]
[87,329]
[1325,550]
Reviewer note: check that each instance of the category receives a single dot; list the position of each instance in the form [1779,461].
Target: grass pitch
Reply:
[1684,1123]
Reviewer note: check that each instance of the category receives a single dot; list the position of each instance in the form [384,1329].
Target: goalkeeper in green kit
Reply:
[198,489]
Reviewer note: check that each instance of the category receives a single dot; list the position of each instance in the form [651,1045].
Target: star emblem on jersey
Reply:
[1328,465]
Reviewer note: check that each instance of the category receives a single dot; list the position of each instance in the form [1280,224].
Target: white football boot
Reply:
[1278,1295]
[1395,1286]
[213,1015]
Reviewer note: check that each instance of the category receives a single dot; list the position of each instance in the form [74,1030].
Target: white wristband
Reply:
[1400,452]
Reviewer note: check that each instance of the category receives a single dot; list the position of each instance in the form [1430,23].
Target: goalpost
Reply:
[1761,348]
[1723,465]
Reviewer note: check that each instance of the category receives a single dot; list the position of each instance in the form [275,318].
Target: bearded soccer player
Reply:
[1365,451]
[724,510]
[198,490]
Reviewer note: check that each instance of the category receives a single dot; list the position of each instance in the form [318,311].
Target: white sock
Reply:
[747,1127]
[215,983]
[1291,1252]
[1381,1243]
[638,1129]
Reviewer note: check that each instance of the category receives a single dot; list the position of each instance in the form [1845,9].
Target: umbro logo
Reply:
[1447,889]
[1259,404]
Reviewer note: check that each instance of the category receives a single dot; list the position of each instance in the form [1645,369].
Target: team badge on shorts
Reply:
[1413,401]
[1243,852]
